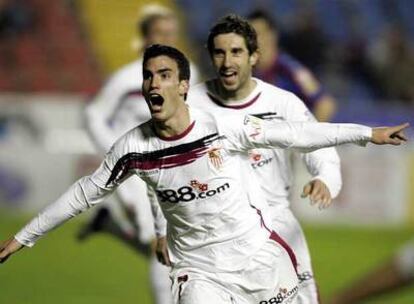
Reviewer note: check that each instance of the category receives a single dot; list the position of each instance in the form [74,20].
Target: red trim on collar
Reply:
[236,107]
[178,136]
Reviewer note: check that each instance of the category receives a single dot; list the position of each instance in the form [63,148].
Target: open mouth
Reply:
[228,76]
[156,100]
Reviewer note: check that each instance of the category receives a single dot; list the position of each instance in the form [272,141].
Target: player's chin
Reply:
[158,116]
[230,86]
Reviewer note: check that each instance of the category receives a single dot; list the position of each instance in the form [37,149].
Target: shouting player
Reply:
[117,108]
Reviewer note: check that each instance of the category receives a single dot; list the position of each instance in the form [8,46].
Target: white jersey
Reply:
[120,105]
[212,222]
[272,167]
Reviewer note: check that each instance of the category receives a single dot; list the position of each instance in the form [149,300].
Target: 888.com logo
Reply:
[195,191]
[283,296]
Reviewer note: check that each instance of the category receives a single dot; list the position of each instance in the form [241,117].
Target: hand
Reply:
[8,248]
[318,192]
[389,135]
[161,250]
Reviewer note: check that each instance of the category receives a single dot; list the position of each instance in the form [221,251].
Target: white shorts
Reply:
[269,277]
[288,227]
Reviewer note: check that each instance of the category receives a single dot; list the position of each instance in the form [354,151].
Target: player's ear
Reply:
[254,57]
[183,87]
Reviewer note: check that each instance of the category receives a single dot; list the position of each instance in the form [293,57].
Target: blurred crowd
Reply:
[381,68]
[360,50]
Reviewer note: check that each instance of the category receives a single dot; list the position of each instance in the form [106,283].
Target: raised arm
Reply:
[243,134]
[85,193]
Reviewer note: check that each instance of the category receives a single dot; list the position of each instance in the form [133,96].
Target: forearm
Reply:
[325,165]
[160,223]
[81,196]
[307,136]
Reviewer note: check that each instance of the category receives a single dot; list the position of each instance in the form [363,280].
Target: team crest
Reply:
[215,157]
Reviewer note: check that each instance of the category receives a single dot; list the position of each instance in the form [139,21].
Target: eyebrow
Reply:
[164,70]
[236,48]
[160,71]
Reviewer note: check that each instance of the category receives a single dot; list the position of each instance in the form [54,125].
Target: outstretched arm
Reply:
[8,248]
[85,193]
[389,135]
[313,136]
[243,134]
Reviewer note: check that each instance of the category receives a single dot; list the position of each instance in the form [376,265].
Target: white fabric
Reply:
[273,169]
[211,224]
[160,282]
[273,166]
[288,227]
[268,277]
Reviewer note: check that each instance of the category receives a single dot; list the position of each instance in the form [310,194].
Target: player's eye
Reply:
[165,76]
[237,52]
[146,75]
[218,53]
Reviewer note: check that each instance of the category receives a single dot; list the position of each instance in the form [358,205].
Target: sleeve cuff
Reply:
[333,189]
[18,237]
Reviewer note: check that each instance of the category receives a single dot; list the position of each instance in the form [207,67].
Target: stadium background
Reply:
[55,54]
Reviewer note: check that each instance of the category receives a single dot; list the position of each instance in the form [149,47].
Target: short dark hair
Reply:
[156,50]
[233,24]
[261,14]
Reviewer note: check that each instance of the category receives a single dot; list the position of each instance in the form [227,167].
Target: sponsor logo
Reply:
[200,187]
[257,161]
[255,156]
[283,296]
[304,276]
[187,193]
[261,163]
[148,173]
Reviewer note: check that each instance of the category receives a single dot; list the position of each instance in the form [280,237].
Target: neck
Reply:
[236,95]
[267,56]
[175,125]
